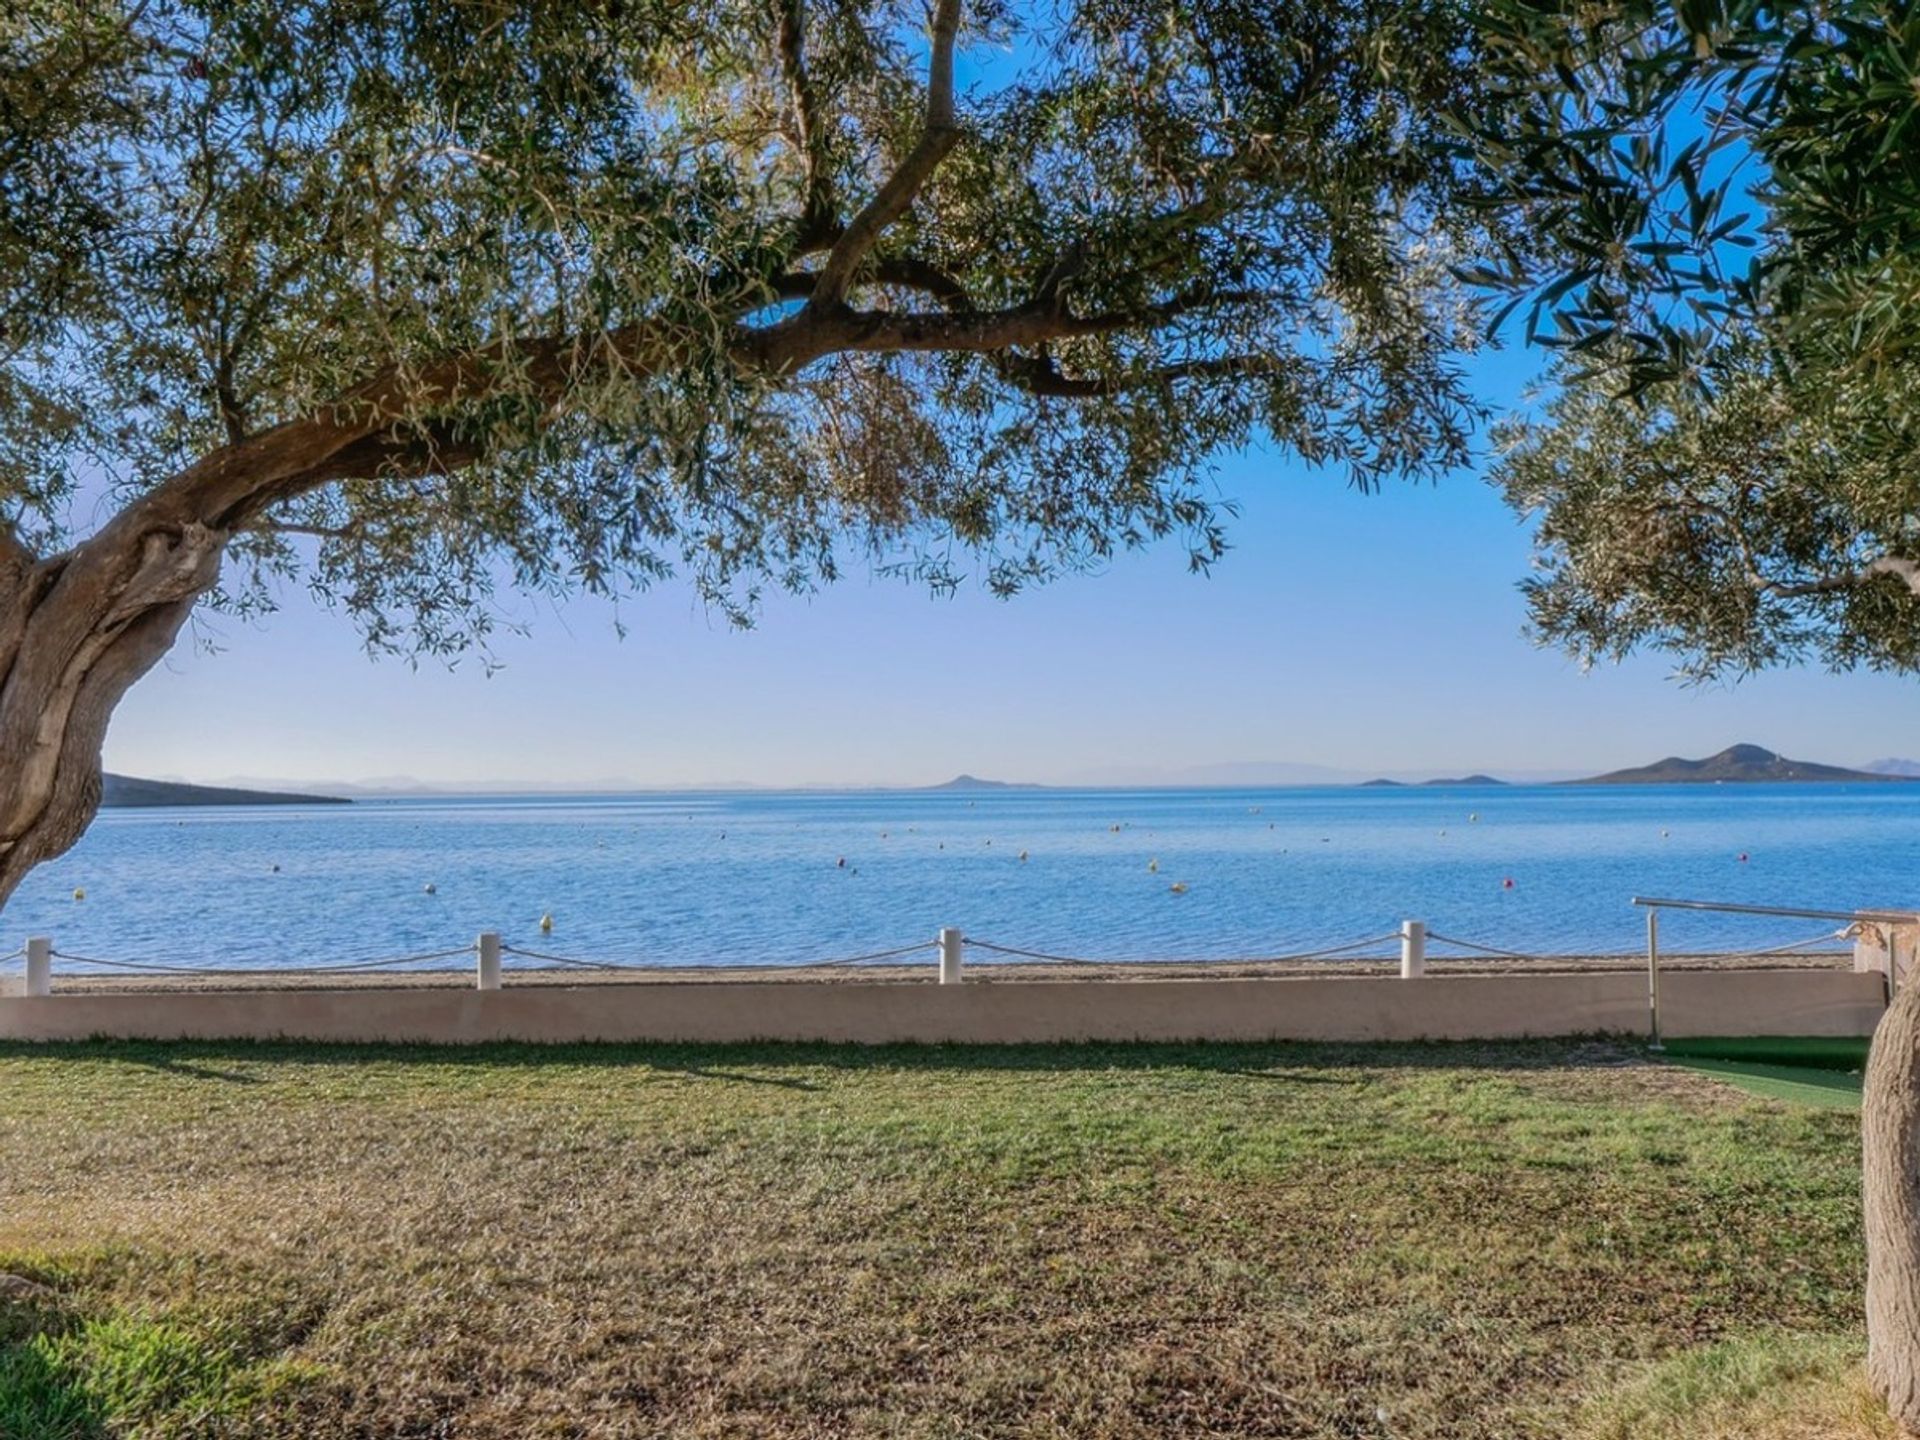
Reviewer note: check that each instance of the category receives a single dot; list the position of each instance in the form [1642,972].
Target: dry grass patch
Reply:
[1103,1241]
[1766,1386]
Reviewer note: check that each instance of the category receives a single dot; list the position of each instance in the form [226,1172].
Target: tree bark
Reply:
[76,631]
[1890,1143]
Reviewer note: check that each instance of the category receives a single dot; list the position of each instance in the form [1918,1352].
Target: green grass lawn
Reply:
[1802,1070]
[1538,1240]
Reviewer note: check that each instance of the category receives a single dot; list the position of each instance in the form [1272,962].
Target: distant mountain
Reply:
[1737,764]
[126,792]
[972,782]
[1893,765]
[1383,784]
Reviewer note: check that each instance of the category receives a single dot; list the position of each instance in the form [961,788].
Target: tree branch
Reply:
[317,532]
[1907,571]
[809,131]
[978,330]
[1038,375]
[377,428]
[374,426]
[15,558]
[907,273]
[937,136]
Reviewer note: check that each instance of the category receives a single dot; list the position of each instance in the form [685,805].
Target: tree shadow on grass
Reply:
[40,1396]
[1296,1077]
[176,1064]
[40,1401]
[746,1063]
[735,1077]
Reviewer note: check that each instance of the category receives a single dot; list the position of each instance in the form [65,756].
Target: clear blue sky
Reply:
[1378,632]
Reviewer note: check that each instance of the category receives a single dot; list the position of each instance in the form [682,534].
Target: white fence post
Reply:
[489,971]
[951,941]
[1413,949]
[39,966]
[1653,978]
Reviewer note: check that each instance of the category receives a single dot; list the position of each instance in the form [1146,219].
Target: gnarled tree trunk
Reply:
[76,631]
[1890,1140]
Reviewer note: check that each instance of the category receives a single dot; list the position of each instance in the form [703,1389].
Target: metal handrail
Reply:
[1732,908]
[1654,906]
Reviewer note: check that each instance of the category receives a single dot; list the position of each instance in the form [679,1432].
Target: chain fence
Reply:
[1328,952]
[1375,948]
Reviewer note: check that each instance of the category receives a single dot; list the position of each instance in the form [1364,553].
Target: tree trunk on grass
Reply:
[76,631]
[1890,1142]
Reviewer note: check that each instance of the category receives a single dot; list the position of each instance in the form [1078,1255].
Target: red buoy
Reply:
[1743,857]
[1507,884]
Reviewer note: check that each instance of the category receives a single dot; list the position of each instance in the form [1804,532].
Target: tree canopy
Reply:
[400,295]
[1723,204]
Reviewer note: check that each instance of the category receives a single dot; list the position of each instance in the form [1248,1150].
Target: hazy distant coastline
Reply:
[1743,763]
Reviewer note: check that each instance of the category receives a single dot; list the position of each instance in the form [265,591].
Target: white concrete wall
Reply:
[1890,949]
[1460,1007]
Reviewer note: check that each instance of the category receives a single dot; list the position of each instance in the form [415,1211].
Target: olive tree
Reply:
[1723,204]
[405,299]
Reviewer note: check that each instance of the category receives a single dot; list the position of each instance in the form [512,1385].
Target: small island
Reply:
[973,782]
[118,792]
[1738,765]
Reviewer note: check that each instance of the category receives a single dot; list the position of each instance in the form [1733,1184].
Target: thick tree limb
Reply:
[938,133]
[371,431]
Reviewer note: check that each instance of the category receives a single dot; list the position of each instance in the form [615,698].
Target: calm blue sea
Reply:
[757,878]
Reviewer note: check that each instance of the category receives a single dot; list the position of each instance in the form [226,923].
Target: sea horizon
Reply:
[806,875]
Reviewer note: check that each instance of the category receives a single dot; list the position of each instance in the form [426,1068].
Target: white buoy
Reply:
[1023,857]
[1153,867]
[428,889]
[78,893]
[546,923]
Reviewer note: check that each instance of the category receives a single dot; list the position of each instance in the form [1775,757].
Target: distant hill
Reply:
[126,792]
[1894,765]
[973,782]
[1383,784]
[1737,764]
